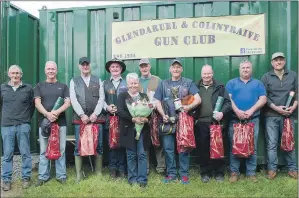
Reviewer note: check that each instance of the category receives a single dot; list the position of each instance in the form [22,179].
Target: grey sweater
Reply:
[278,90]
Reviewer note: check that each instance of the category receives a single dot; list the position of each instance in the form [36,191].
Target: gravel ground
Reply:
[17,165]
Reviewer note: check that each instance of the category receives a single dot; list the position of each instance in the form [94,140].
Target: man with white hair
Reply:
[185,87]
[16,100]
[87,98]
[46,94]
[209,91]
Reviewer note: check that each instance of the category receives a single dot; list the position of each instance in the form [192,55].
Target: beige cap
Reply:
[277,54]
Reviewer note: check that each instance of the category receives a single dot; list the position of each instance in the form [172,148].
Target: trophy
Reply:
[176,100]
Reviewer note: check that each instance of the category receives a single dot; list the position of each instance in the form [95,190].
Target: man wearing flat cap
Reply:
[112,88]
[279,82]
[87,98]
[148,84]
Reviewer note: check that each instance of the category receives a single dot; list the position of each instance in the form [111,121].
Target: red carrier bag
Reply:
[154,129]
[216,142]
[114,132]
[53,148]
[185,133]
[243,140]
[287,137]
[88,139]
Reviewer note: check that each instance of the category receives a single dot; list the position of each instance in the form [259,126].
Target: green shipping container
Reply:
[68,34]
[19,45]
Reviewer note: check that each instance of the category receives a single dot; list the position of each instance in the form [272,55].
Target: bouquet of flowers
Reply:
[141,108]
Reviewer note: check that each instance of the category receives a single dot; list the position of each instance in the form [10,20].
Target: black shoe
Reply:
[40,182]
[6,186]
[62,181]
[142,185]
[205,178]
[113,174]
[122,175]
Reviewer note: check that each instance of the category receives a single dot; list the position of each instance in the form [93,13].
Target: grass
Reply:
[96,186]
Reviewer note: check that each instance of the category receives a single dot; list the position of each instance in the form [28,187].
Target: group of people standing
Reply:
[244,97]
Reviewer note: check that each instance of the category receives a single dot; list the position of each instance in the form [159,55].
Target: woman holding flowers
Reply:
[136,147]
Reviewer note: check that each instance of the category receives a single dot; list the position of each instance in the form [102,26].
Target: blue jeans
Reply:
[22,132]
[168,142]
[251,162]
[136,159]
[100,139]
[274,126]
[117,157]
[43,168]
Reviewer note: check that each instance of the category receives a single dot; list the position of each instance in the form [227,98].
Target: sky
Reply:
[33,6]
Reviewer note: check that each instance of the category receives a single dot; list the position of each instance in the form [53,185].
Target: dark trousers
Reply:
[202,137]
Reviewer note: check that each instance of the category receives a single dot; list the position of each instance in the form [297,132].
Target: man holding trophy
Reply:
[169,94]
[211,91]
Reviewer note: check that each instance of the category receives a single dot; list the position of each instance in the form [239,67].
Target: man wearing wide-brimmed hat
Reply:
[112,88]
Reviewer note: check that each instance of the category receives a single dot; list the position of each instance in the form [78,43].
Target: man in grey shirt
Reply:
[87,98]
[279,82]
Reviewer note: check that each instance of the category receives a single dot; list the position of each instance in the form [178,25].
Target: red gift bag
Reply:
[185,133]
[88,139]
[216,142]
[243,140]
[114,133]
[53,148]
[287,137]
[154,129]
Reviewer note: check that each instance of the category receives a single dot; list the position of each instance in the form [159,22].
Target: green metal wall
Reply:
[19,45]
[68,34]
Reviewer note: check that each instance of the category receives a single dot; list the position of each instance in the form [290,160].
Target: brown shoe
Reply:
[6,186]
[233,177]
[271,174]
[293,174]
[253,178]
[26,183]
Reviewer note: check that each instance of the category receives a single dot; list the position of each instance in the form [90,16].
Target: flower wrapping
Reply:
[155,129]
[53,148]
[114,133]
[88,139]
[287,137]
[243,140]
[141,108]
[216,142]
[185,133]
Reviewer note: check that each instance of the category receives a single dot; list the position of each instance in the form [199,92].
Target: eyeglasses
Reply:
[15,73]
